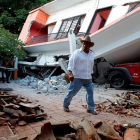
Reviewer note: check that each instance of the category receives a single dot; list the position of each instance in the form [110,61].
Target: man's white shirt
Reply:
[81,64]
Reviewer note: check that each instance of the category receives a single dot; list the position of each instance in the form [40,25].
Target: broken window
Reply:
[99,19]
[70,24]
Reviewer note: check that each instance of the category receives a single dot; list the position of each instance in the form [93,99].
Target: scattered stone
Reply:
[128,105]
[54,84]
[38,92]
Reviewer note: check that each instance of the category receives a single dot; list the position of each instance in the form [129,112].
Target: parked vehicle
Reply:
[124,74]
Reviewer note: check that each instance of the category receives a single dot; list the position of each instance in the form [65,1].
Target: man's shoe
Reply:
[92,112]
[8,82]
[66,109]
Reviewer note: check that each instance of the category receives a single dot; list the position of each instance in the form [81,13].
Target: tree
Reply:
[10,46]
[13,13]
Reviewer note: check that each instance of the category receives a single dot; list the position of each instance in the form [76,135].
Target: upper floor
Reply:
[54,20]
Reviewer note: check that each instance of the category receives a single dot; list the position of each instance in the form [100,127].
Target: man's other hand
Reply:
[93,80]
[71,76]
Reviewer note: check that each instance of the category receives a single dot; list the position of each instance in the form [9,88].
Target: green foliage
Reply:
[13,13]
[10,46]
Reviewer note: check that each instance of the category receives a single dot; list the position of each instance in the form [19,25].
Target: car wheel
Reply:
[117,79]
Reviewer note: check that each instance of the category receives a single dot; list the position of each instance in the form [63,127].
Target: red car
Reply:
[124,74]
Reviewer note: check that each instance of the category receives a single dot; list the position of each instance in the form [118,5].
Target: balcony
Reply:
[51,37]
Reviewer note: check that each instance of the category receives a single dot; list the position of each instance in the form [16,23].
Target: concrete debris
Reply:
[90,130]
[106,86]
[106,131]
[128,105]
[54,84]
[6,89]
[86,130]
[17,110]
[71,136]
[46,132]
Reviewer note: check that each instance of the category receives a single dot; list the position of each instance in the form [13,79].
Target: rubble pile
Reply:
[79,130]
[17,110]
[128,105]
[54,84]
[86,130]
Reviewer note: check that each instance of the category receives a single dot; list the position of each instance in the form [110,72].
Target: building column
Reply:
[72,41]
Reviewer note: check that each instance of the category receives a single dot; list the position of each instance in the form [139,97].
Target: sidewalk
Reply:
[53,106]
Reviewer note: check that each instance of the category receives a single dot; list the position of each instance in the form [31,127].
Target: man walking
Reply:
[80,69]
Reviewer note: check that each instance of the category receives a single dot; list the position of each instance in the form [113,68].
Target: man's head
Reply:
[86,43]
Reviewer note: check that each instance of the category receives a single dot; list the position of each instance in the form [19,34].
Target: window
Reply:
[99,20]
[70,24]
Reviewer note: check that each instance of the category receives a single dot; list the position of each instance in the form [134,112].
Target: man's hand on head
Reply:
[71,76]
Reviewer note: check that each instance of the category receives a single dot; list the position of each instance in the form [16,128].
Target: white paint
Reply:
[72,42]
[116,13]
[16,63]
[58,5]
[87,8]
[70,12]
[50,28]
[43,59]
[57,26]
[40,64]
[63,65]
[106,3]
[116,45]
[51,53]
[87,20]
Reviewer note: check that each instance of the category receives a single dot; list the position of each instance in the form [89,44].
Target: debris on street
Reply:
[54,84]
[86,130]
[8,134]
[46,132]
[128,105]
[132,134]
[15,111]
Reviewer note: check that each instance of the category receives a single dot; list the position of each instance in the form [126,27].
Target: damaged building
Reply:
[112,25]
[32,108]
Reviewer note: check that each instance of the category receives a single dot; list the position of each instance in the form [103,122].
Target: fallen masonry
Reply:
[86,130]
[128,105]
[77,130]
[17,111]
[54,84]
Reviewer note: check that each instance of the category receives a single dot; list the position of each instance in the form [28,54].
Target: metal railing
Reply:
[134,7]
[51,37]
